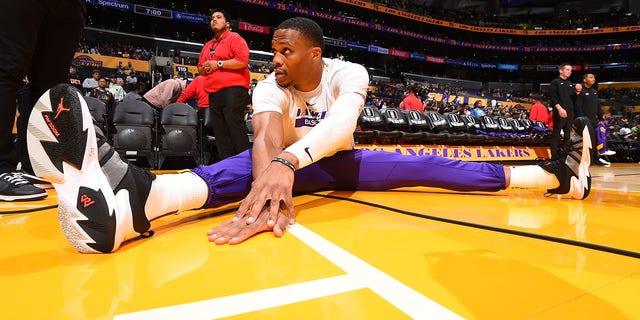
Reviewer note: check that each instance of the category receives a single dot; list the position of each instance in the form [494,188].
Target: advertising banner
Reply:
[466,153]
[98,61]
[253,28]
[189,17]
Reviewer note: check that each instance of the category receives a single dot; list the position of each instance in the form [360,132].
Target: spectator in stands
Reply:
[316,153]
[91,83]
[74,77]
[157,77]
[165,92]
[120,69]
[539,112]
[38,41]
[445,97]
[563,94]
[224,63]
[377,102]
[115,87]
[136,93]
[195,90]
[410,101]
[602,133]
[478,109]
[130,68]
[130,81]
[103,94]
[167,71]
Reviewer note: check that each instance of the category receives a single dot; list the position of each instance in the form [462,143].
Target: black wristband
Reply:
[285,162]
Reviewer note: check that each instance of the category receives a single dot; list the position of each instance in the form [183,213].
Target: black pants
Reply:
[227,115]
[561,143]
[37,38]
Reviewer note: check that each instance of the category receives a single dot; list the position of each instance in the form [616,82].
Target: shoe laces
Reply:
[14,178]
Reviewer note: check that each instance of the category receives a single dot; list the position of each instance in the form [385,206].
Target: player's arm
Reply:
[273,180]
[189,93]
[336,130]
[268,140]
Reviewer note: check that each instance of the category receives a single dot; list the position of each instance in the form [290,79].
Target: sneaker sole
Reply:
[581,185]
[63,150]
[37,181]
[38,196]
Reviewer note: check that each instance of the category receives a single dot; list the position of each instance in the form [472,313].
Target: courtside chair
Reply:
[180,133]
[135,137]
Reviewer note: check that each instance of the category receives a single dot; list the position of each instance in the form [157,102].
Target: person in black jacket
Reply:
[588,105]
[38,39]
[563,93]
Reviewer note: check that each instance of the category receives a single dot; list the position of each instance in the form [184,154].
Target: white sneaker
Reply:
[572,169]
[603,162]
[608,153]
[100,197]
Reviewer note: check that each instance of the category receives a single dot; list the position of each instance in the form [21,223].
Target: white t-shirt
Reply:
[321,122]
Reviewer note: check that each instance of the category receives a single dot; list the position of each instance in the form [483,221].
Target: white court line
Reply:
[250,301]
[359,275]
[403,297]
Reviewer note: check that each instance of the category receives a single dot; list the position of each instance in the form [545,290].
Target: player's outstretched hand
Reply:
[237,230]
[273,189]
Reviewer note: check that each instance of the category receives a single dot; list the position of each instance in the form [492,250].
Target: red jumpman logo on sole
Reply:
[61,108]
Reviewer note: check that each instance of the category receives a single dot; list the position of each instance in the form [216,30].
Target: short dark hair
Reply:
[584,76]
[224,13]
[309,28]
[563,65]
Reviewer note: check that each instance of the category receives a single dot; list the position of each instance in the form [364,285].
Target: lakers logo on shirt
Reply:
[309,119]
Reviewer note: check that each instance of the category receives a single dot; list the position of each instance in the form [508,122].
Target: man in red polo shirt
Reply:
[411,102]
[224,65]
[539,112]
[195,90]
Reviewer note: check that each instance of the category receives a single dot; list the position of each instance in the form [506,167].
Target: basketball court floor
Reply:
[413,253]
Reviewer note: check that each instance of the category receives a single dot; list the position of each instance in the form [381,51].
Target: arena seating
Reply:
[431,127]
[456,124]
[180,133]
[416,120]
[135,138]
[99,112]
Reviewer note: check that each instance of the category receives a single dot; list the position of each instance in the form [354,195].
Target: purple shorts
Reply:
[230,179]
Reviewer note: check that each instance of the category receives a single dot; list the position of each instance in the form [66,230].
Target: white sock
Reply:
[175,192]
[527,177]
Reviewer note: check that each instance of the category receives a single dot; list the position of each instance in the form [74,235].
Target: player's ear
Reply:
[316,53]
